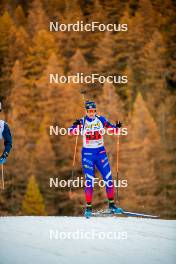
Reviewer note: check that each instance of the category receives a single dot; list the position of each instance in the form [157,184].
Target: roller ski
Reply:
[113,209]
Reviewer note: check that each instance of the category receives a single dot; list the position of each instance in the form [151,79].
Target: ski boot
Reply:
[114,209]
[88,211]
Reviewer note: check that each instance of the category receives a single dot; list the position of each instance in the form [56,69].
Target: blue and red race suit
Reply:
[94,153]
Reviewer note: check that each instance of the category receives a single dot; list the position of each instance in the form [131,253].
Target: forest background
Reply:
[146,53]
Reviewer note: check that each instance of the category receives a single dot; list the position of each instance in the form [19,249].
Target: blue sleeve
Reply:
[7,138]
[106,123]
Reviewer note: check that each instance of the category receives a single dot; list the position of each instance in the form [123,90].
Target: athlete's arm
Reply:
[7,139]
[106,122]
[7,143]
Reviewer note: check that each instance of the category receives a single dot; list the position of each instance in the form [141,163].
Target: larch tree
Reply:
[113,10]
[91,40]
[34,66]
[52,97]
[160,101]
[42,46]
[60,102]
[19,43]
[130,44]
[44,154]
[33,203]
[54,103]
[125,59]
[154,82]
[111,106]
[20,160]
[166,189]
[55,9]
[143,150]
[104,54]
[18,118]
[128,91]
[19,16]
[37,19]
[148,17]
[45,160]
[51,93]
[73,12]
[144,17]
[78,63]
[6,24]
[98,12]
[124,42]
[72,39]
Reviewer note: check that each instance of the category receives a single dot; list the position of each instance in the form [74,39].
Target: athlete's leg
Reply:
[89,171]
[103,166]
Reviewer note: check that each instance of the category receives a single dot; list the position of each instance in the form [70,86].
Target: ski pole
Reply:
[74,159]
[83,92]
[2,174]
[117,165]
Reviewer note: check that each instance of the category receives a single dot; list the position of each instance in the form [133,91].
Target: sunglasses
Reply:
[90,111]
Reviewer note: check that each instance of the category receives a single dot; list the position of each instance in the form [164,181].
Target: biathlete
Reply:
[94,154]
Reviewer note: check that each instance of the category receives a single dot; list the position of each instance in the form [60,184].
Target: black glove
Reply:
[119,124]
[77,122]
